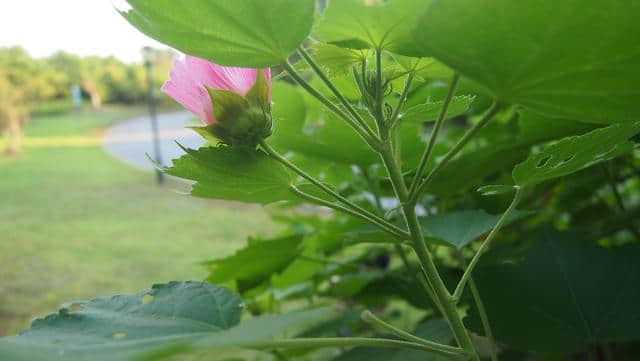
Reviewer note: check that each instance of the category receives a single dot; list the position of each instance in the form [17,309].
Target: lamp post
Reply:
[148,56]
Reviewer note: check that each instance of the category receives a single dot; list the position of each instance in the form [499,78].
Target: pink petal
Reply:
[189,78]
[185,87]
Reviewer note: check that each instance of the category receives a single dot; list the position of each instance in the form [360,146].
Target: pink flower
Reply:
[189,78]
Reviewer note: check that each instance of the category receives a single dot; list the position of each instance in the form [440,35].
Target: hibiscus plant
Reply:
[455,180]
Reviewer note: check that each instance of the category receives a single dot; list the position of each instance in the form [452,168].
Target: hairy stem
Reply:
[434,134]
[485,245]
[372,142]
[453,151]
[374,321]
[440,291]
[316,68]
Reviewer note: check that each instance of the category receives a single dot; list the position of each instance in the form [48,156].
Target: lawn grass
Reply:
[75,224]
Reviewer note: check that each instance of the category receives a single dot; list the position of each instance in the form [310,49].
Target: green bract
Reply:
[573,58]
[245,33]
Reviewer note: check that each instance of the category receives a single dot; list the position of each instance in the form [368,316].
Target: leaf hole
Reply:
[119,335]
[565,161]
[146,299]
[543,161]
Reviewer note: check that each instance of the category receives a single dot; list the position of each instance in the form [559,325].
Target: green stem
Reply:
[284,161]
[298,343]
[307,57]
[434,134]
[379,96]
[440,291]
[456,148]
[367,217]
[374,321]
[327,103]
[395,117]
[493,348]
[485,245]
[429,290]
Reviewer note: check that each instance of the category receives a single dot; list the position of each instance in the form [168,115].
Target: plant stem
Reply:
[493,348]
[297,343]
[372,142]
[434,134]
[429,290]
[374,321]
[456,148]
[372,219]
[379,96]
[361,211]
[440,291]
[307,57]
[485,245]
[395,117]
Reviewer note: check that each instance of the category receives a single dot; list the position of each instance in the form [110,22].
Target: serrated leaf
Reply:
[233,174]
[255,262]
[360,24]
[574,153]
[429,111]
[243,33]
[564,297]
[458,229]
[576,59]
[121,327]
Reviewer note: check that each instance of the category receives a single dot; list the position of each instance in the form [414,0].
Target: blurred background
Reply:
[81,211]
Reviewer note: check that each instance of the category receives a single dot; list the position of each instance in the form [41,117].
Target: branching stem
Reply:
[453,151]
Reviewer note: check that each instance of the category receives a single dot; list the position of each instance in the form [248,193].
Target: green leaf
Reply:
[458,229]
[336,60]
[574,58]
[574,153]
[245,33]
[564,296]
[360,24]
[429,111]
[120,327]
[169,319]
[233,174]
[274,255]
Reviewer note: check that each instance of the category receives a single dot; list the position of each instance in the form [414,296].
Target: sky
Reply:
[83,27]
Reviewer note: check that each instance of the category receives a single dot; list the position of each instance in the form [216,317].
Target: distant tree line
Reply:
[44,85]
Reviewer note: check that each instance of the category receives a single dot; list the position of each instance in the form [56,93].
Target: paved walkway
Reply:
[132,140]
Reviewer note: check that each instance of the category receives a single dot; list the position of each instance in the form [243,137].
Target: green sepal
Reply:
[258,95]
[240,121]
[207,133]
[227,105]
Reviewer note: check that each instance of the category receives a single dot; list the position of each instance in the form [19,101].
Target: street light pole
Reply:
[147,53]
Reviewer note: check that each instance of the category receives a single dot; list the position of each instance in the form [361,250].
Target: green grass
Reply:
[76,224]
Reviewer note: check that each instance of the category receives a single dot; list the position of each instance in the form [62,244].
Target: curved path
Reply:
[131,140]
